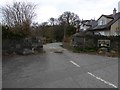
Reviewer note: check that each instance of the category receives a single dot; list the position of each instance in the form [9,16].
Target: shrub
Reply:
[78,50]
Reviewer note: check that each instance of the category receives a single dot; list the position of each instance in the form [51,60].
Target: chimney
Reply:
[114,11]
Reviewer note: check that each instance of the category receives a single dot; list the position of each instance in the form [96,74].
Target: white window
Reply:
[102,22]
[81,27]
[102,33]
[97,33]
[84,28]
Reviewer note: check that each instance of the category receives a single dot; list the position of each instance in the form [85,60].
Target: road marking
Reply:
[74,63]
[106,82]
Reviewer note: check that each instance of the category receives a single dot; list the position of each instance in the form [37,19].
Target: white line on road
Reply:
[74,63]
[106,82]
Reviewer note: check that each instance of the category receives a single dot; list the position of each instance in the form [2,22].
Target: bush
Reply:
[78,50]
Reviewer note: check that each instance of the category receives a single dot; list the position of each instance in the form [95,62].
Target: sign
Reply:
[103,43]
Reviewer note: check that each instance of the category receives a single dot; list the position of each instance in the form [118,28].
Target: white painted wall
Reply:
[113,28]
[104,19]
[105,33]
[119,6]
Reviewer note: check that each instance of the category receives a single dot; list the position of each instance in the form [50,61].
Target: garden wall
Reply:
[91,41]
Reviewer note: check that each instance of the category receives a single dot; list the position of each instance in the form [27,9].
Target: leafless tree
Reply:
[52,21]
[68,17]
[18,15]
[43,24]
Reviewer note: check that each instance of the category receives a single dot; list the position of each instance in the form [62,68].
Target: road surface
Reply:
[60,70]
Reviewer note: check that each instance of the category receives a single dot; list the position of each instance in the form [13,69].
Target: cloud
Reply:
[85,9]
[46,12]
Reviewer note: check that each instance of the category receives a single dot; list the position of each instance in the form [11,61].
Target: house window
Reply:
[102,22]
[102,33]
[97,33]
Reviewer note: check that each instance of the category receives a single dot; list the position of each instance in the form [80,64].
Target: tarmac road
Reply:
[59,70]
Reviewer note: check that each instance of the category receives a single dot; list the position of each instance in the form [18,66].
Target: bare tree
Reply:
[68,17]
[68,20]
[19,15]
[43,24]
[52,21]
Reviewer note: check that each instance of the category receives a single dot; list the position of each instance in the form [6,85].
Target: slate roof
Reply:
[108,25]
[89,22]
[79,34]
[108,16]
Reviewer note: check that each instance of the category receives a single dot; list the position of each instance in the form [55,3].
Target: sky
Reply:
[85,9]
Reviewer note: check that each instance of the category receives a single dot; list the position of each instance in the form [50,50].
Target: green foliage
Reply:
[78,50]
[53,33]
[7,33]
[70,30]
[58,33]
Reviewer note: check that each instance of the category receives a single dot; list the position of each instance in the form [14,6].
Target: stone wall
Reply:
[91,41]
[10,46]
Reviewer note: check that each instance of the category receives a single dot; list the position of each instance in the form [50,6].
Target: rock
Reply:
[27,51]
[100,52]
[108,54]
[58,51]
[113,52]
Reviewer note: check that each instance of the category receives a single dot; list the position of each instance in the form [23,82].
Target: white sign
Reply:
[103,43]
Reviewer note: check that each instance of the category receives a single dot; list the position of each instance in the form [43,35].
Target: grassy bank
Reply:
[93,51]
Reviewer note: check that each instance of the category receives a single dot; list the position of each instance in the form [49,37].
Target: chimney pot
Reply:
[114,11]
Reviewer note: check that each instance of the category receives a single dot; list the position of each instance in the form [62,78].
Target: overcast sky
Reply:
[85,9]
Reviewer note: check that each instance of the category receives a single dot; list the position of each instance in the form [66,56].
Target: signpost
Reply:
[104,43]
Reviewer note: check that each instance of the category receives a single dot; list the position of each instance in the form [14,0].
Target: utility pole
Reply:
[64,37]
